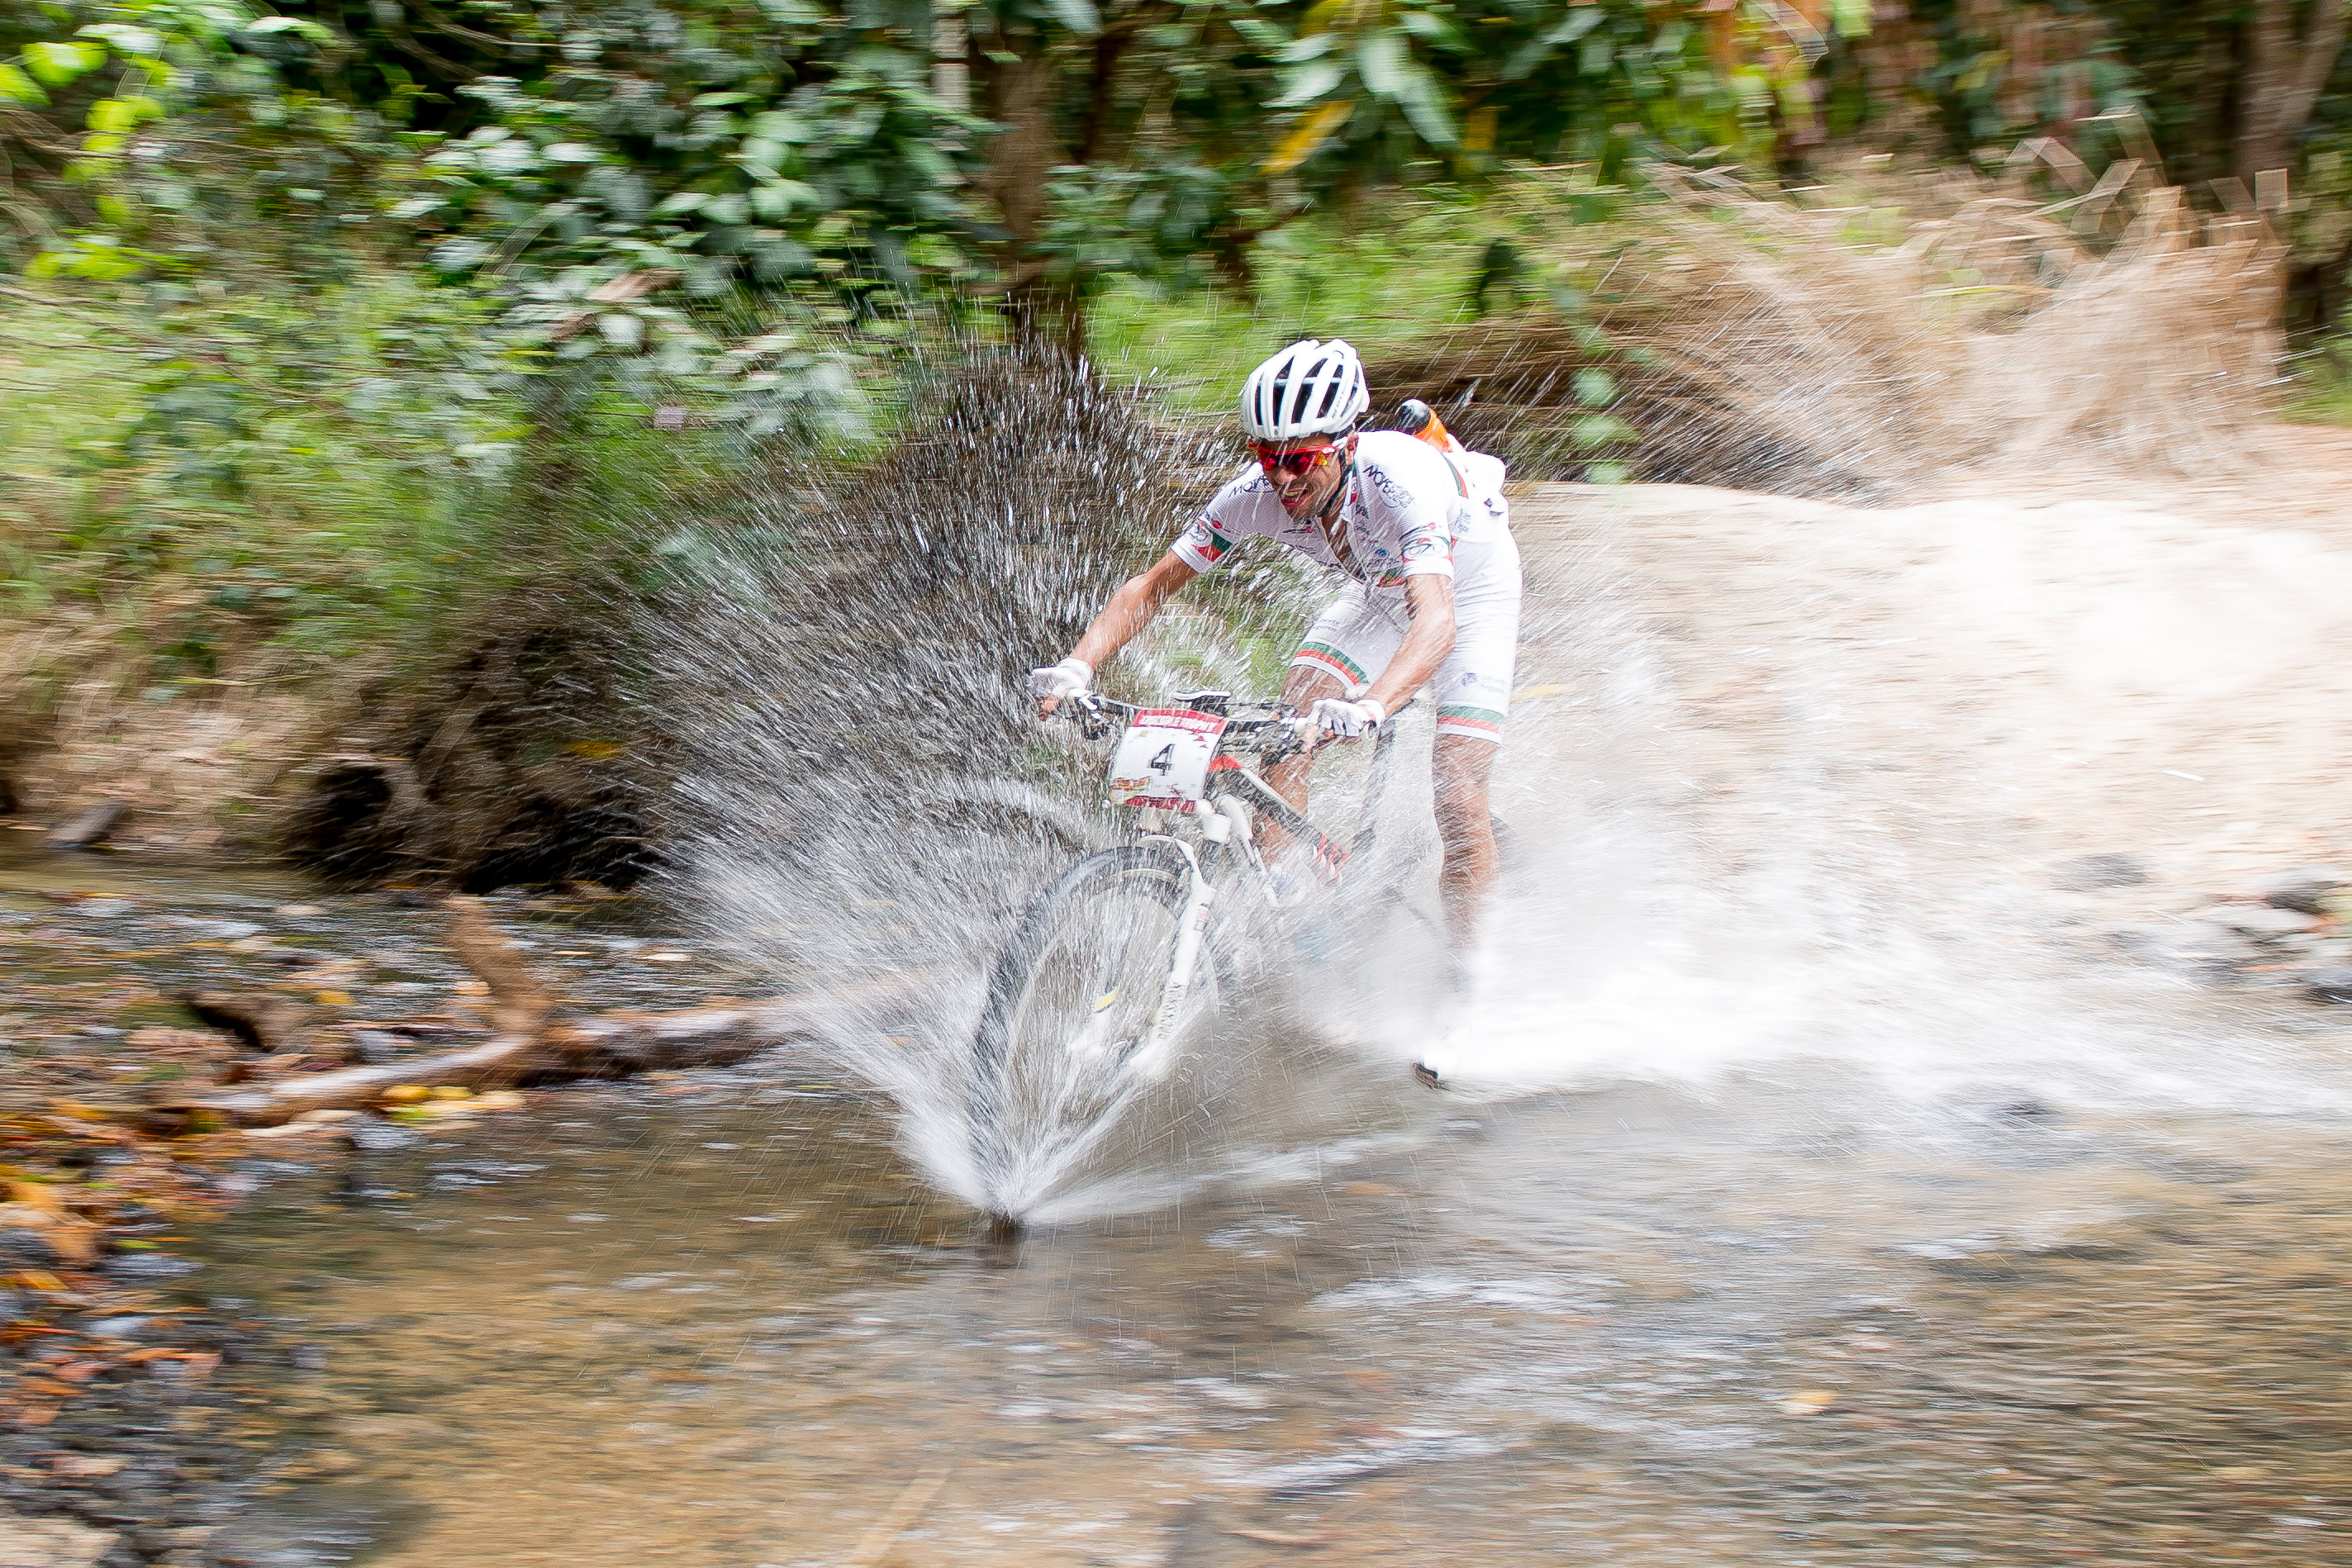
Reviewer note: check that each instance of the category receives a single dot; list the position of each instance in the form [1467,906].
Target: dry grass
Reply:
[1852,350]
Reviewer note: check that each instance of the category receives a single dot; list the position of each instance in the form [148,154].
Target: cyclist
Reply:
[1421,535]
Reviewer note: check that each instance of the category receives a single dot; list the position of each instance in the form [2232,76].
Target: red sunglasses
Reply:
[1298,462]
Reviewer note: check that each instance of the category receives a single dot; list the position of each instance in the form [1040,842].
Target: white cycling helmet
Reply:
[1308,389]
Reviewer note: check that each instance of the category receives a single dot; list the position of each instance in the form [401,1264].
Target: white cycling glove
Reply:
[1360,717]
[1058,682]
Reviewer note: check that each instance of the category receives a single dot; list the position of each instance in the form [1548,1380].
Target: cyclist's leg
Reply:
[1466,830]
[1473,689]
[1342,653]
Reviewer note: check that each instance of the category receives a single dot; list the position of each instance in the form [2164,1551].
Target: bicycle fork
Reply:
[1156,1054]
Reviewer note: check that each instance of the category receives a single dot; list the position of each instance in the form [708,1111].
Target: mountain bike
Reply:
[1088,1004]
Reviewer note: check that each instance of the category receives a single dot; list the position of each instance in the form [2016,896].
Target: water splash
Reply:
[860,792]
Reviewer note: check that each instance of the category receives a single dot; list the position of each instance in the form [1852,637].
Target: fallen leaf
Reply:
[502,1100]
[1810,1401]
[40,1279]
[471,988]
[87,1467]
[1276,1538]
[78,1371]
[407,1093]
[36,1416]
[452,1091]
[38,1194]
[332,998]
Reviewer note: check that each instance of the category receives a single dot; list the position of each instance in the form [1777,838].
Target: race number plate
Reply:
[1164,757]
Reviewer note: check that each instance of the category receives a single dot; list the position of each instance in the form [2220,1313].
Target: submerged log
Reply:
[532,1047]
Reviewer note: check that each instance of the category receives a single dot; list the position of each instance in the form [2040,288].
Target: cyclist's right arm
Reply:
[1128,612]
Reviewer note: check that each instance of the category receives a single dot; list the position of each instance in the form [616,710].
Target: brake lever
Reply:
[1086,710]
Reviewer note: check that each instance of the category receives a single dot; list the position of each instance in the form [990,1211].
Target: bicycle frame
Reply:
[1231,793]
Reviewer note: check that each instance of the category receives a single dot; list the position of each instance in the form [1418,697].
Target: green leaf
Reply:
[127,40]
[111,114]
[1435,28]
[1595,389]
[15,87]
[778,125]
[621,329]
[1078,15]
[1428,117]
[1381,61]
[1309,82]
[56,64]
[301,27]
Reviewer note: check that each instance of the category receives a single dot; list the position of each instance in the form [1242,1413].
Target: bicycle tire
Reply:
[1083,970]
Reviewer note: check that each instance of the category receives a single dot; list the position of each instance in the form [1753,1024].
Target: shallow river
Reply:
[1790,1313]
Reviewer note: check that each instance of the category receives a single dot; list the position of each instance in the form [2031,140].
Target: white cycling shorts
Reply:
[1359,632]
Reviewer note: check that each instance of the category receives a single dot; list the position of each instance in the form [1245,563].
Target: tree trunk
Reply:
[1020,95]
[2286,69]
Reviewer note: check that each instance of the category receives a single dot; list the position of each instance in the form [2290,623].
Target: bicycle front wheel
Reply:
[1069,1002]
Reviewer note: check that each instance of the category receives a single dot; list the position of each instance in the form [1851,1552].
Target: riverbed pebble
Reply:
[2093,873]
[2259,921]
[2332,985]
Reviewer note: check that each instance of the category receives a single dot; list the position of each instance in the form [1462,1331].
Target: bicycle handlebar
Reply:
[1094,714]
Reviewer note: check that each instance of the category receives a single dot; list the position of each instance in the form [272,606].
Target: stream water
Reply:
[1804,1309]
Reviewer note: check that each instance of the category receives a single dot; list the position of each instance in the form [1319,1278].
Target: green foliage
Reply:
[702,196]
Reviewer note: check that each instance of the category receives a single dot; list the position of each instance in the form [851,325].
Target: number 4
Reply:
[1165,763]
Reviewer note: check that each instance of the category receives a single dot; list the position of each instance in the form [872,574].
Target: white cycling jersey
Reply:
[1410,510]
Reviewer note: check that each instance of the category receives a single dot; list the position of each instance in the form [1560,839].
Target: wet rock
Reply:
[2258,922]
[2207,944]
[2305,890]
[2332,985]
[374,1047]
[372,1136]
[90,826]
[150,1266]
[117,1328]
[2092,873]
[51,1542]
[22,1248]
